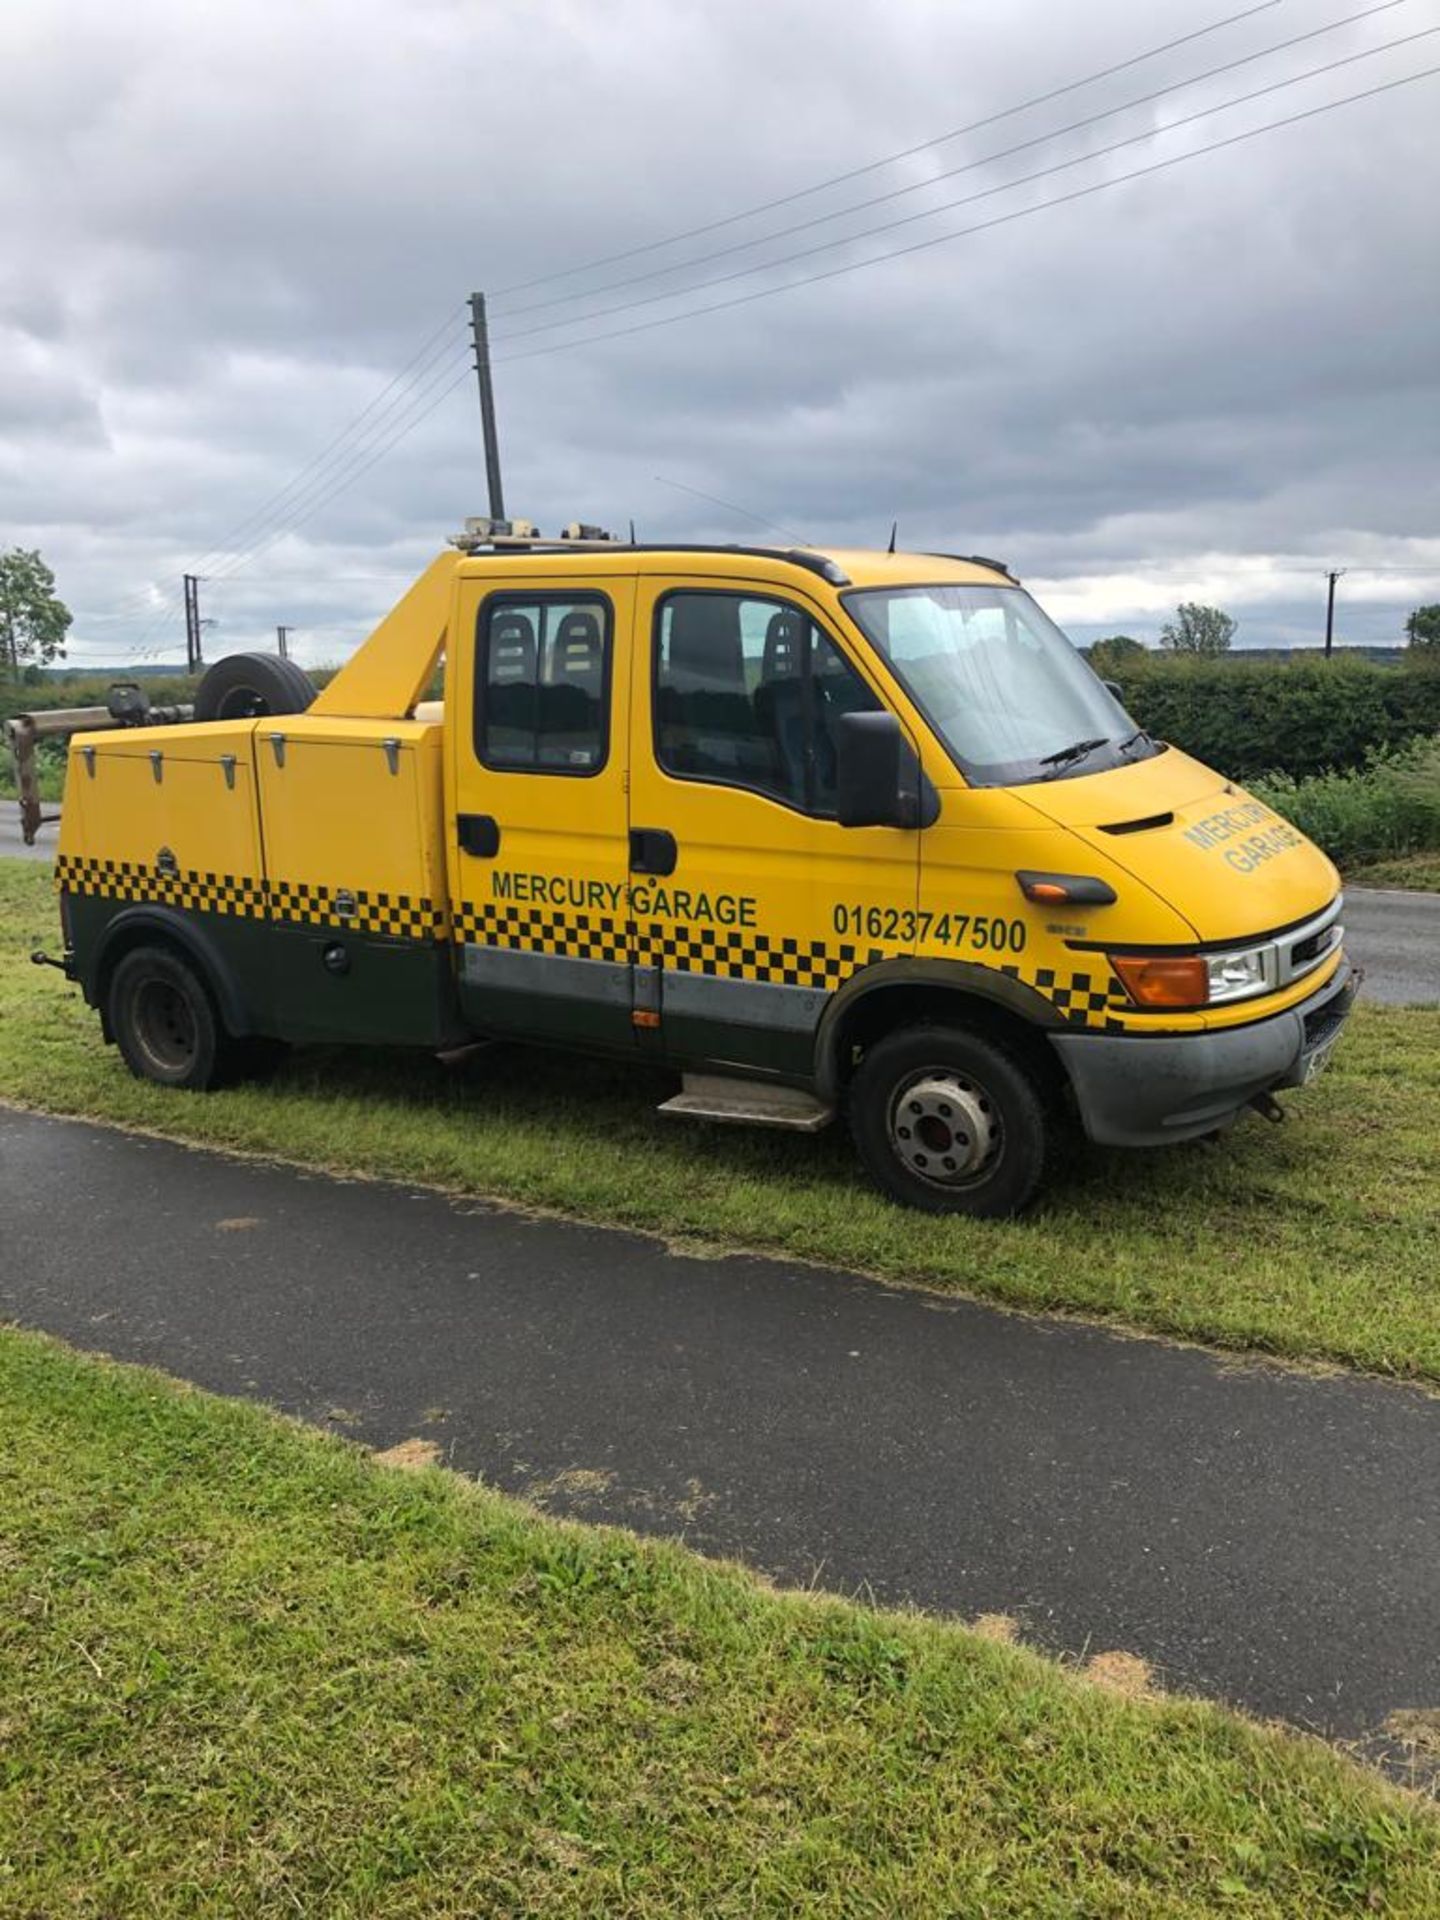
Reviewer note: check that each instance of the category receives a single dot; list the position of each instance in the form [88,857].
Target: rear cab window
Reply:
[542,679]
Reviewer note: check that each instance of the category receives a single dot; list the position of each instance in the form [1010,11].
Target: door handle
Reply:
[652,850]
[478,833]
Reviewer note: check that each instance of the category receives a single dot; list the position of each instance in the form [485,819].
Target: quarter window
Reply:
[747,693]
[542,675]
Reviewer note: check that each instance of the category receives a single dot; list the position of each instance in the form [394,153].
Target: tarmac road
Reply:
[1395,935]
[1266,1537]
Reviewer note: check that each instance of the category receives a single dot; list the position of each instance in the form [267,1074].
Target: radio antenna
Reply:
[730,507]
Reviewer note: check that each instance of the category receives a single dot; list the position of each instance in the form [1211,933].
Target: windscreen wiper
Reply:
[1134,740]
[1066,755]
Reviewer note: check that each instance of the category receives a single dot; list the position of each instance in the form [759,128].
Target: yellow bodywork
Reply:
[356,802]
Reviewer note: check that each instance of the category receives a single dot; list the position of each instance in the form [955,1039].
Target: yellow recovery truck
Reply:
[819,830]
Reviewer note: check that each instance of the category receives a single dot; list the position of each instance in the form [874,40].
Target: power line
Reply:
[985,193]
[425,353]
[951,173]
[325,486]
[890,159]
[982,226]
[408,375]
[278,519]
[412,414]
[346,480]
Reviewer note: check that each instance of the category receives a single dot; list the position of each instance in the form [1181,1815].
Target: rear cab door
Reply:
[537,705]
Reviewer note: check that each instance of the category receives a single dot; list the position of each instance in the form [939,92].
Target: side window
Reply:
[747,692]
[542,671]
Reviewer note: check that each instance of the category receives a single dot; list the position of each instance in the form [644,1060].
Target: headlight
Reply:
[1191,980]
[1234,975]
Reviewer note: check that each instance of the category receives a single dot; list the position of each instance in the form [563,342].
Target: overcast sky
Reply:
[224,229]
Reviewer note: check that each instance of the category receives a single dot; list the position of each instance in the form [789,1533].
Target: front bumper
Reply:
[1135,1090]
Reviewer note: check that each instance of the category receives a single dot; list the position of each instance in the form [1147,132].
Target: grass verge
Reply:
[1420,871]
[245,1670]
[1318,1239]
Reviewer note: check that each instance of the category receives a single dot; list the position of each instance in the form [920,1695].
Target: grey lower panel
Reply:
[510,971]
[1135,1091]
[748,1003]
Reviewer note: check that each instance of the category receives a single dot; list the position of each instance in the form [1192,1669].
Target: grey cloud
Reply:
[225,228]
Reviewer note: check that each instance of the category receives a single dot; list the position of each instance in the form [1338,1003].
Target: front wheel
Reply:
[949,1122]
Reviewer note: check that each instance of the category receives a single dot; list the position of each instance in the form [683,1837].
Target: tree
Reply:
[1423,627]
[33,622]
[1198,629]
[1112,655]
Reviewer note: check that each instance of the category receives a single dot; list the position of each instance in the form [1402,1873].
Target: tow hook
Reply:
[39,958]
[1268,1107]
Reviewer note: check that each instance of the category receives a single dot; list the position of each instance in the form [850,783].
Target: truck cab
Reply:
[817,830]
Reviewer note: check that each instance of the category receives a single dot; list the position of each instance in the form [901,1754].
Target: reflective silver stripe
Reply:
[514,971]
[698,996]
[748,1003]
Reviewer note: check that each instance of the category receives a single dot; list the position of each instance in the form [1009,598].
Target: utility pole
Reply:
[194,658]
[481,335]
[1332,577]
[282,636]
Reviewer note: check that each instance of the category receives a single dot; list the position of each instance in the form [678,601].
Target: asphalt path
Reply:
[12,845]
[1262,1536]
[1394,934]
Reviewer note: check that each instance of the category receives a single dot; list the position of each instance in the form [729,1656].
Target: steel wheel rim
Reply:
[242,703]
[165,1025]
[944,1127]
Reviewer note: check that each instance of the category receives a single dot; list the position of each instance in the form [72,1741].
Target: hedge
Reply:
[1389,807]
[1250,717]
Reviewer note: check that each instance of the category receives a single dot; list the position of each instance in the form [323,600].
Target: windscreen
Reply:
[1003,688]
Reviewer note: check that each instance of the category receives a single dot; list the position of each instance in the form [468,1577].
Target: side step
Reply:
[752,1103]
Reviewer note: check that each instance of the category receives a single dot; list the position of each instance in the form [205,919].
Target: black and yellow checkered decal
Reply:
[287,903]
[1080,998]
[127,880]
[743,953]
[396,916]
[727,953]
[568,936]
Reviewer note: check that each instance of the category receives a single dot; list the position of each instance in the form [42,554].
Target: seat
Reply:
[577,658]
[510,692]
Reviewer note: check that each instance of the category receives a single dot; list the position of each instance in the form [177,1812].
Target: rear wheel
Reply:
[949,1122]
[164,1021]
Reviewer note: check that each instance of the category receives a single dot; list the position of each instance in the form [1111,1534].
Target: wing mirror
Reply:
[878,778]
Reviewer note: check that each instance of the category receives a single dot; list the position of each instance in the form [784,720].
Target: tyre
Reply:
[245,686]
[164,1020]
[949,1122]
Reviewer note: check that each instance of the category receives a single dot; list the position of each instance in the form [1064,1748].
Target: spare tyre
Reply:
[246,686]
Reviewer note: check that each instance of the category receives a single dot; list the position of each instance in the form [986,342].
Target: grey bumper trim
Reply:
[1135,1090]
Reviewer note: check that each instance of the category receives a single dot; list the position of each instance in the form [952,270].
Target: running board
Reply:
[753,1103]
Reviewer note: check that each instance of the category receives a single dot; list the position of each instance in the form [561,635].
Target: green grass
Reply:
[246,1671]
[1420,871]
[1319,1239]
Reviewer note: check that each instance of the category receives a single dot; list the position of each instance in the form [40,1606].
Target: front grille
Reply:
[1312,948]
[1301,951]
